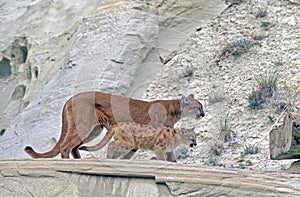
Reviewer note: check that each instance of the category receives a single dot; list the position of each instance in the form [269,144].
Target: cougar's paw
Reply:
[83,148]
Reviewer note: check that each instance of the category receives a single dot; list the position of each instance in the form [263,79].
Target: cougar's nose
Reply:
[200,113]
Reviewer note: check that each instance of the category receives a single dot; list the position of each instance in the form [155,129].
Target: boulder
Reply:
[284,139]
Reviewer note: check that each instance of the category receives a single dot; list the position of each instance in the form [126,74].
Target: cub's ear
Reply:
[191,96]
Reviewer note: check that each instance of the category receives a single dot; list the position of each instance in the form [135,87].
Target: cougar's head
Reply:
[191,107]
[188,137]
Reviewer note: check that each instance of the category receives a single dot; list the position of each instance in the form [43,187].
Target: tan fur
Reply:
[131,136]
[85,114]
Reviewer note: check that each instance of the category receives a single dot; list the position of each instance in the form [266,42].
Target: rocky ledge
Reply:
[49,177]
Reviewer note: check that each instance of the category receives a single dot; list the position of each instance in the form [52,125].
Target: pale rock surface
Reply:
[110,46]
[107,50]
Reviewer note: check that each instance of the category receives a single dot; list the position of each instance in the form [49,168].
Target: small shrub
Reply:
[266,86]
[250,150]
[236,48]
[261,13]
[256,100]
[212,161]
[226,131]
[258,37]
[265,24]
[241,165]
[248,162]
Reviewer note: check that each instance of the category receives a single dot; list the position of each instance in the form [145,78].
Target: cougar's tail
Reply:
[56,149]
[109,134]
[50,154]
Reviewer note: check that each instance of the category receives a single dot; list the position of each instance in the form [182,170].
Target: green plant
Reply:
[236,48]
[265,24]
[241,165]
[226,131]
[250,149]
[212,161]
[258,37]
[266,86]
[248,162]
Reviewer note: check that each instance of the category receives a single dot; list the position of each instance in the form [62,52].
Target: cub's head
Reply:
[191,107]
[187,137]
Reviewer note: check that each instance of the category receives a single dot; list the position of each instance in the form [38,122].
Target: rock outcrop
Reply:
[136,178]
[284,139]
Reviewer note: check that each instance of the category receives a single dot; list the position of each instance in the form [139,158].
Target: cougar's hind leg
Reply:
[65,152]
[75,152]
[70,146]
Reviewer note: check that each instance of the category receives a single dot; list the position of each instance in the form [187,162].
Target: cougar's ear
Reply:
[191,96]
[184,100]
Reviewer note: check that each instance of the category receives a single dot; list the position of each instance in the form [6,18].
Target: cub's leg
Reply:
[112,151]
[125,149]
[160,154]
[119,149]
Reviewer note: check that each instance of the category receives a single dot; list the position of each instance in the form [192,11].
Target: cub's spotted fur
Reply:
[130,136]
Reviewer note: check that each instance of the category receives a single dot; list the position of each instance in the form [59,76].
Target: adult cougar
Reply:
[84,116]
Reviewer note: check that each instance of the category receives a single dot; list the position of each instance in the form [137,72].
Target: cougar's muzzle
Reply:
[194,143]
[200,113]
